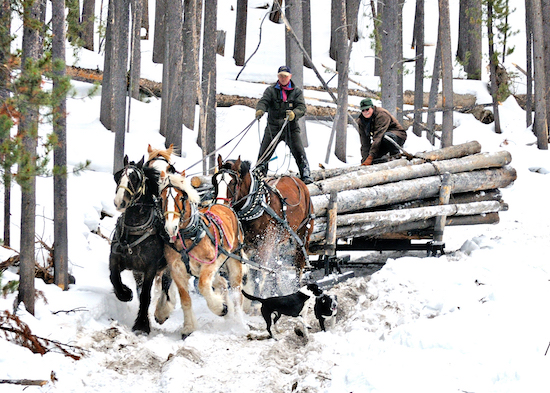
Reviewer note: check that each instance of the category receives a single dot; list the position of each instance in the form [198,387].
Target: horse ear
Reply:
[220,161]
[183,173]
[140,163]
[126,160]
[238,164]
[149,148]
[170,149]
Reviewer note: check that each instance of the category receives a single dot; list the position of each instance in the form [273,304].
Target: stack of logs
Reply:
[401,199]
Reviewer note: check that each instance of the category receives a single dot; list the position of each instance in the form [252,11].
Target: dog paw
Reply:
[224,311]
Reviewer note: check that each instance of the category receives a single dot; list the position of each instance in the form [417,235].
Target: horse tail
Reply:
[250,297]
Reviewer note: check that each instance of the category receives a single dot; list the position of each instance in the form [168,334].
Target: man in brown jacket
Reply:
[375,123]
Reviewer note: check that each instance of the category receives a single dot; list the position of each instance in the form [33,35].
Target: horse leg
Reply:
[213,300]
[122,292]
[181,278]
[167,299]
[236,269]
[142,321]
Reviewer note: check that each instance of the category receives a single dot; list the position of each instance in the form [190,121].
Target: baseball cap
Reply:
[366,104]
[285,70]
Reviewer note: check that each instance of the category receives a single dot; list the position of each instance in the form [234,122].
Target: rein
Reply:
[134,194]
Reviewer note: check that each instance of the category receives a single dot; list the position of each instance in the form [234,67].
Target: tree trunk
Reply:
[399,95]
[418,67]
[375,11]
[191,44]
[172,77]
[352,11]
[5,41]
[294,56]
[341,121]
[447,73]
[493,62]
[159,39]
[306,17]
[545,7]
[469,38]
[208,86]
[145,19]
[540,126]
[355,181]
[135,61]
[390,53]
[334,24]
[61,251]
[434,89]
[409,190]
[457,151]
[28,129]
[529,56]
[239,50]
[88,18]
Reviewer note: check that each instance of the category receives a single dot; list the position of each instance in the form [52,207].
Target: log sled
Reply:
[386,206]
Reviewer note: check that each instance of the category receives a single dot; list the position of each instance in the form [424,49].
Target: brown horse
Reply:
[202,242]
[276,213]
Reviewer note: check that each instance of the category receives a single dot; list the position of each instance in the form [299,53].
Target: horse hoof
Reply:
[224,311]
[125,295]
[141,329]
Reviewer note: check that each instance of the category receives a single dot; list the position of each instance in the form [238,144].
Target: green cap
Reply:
[366,104]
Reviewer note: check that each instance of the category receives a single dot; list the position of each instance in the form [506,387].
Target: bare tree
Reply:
[434,89]
[352,11]
[61,252]
[418,67]
[239,50]
[191,45]
[145,19]
[27,131]
[545,4]
[540,126]
[135,39]
[306,17]
[447,73]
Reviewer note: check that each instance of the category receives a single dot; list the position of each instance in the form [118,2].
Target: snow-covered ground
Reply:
[473,320]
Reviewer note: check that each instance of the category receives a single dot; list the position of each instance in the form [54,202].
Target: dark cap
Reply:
[285,70]
[366,104]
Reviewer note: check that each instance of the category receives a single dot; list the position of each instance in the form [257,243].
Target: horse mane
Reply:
[153,178]
[183,184]
[166,154]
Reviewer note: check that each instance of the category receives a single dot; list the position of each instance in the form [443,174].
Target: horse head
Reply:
[232,181]
[130,182]
[179,203]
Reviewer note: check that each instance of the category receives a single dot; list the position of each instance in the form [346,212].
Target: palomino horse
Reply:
[138,243]
[274,212]
[202,241]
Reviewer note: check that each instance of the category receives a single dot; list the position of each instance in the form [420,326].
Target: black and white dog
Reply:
[325,309]
[293,305]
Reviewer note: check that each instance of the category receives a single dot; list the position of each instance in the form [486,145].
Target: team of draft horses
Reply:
[238,237]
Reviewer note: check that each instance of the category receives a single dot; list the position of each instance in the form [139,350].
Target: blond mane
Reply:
[182,183]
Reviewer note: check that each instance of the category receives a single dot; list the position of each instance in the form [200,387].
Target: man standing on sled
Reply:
[375,123]
[282,101]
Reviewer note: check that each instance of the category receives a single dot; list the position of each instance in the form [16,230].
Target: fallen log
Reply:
[369,224]
[421,188]
[420,229]
[353,181]
[445,153]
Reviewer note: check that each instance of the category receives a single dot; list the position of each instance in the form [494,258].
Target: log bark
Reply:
[446,153]
[409,190]
[356,180]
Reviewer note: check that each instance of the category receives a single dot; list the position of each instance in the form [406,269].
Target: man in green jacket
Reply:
[283,100]
[374,123]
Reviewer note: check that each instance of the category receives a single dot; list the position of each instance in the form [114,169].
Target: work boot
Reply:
[305,174]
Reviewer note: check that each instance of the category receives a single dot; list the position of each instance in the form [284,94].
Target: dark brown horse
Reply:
[276,213]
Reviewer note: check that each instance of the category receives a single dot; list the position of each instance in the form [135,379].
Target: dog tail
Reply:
[246,295]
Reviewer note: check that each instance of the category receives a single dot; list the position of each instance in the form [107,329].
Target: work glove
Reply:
[259,114]
[291,115]
[368,161]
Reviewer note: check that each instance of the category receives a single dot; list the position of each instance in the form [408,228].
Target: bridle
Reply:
[134,193]
[218,178]
[194,217]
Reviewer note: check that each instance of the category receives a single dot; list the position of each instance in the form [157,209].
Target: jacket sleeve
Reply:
[265,101]
[380,126]
[365,139]
[299,104]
